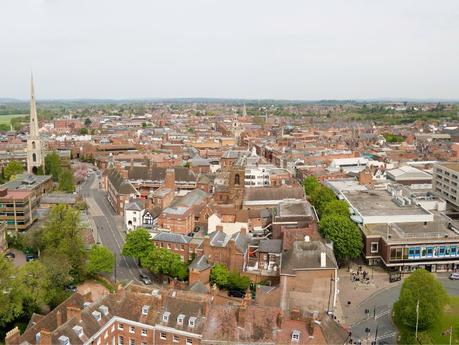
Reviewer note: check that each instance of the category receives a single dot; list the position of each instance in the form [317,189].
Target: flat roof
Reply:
[380,203]
[452,166]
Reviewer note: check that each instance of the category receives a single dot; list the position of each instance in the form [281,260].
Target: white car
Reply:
[454,276]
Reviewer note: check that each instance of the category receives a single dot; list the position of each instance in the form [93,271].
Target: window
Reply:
[166,316]
[374,247]
[144,332]
[120,326]
[296,336]
[176,339]
[453,251]
[191,321]
[189,341]
[429,252]
[131,341]
[442,251]
[180,319]
[237,179]
[163,335]
[120,340]
[131,329]
[145,309]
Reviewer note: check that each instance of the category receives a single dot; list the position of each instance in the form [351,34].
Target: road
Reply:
[379,308]
[109,228]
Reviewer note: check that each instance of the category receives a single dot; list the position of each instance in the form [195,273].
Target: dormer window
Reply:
[166,316]
[104,310]
[296,336]
[180,319]
[192,321]
[97,315]
[145,309]
[78,330]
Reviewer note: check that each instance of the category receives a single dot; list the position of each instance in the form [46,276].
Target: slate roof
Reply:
[200,263]
[270,246]
[182,174]
[306,255]
[119,183]
[172,237]
[273,193]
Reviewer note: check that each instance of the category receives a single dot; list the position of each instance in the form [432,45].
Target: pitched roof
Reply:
[200,263]
[182,174]
[172,237]
[273,193]
[119,183]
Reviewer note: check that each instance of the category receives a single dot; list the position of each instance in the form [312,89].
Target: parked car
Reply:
[454,276]
[10,255]
[71,288]
[30,257]
[145,279]
[236,293]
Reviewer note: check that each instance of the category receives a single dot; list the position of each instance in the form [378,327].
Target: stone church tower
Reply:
[35,158]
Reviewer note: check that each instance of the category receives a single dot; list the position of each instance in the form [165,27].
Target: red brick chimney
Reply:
[58,318]
[169,180]
[45,337]
[73,312]
[13,336]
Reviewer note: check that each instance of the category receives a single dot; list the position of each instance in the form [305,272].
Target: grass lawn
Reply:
[5,119]
[435,335]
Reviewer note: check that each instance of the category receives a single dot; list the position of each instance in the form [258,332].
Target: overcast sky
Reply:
[284,49]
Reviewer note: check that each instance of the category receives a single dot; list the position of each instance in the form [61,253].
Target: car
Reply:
[454,276]
[236,293]
[71,288]
[145,279]
[10,255]
[30,257]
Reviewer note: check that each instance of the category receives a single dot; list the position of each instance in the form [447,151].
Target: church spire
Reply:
[33,111]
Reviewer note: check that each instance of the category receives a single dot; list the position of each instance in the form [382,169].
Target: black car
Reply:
[30,257]
[145,279]
[10,255]
[236,293]
[71,288]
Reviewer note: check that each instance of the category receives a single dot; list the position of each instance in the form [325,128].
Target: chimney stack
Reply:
[169,180]
[323,259]
[58,318]
[45,337]
[243,231]
[73,312]
[13,336]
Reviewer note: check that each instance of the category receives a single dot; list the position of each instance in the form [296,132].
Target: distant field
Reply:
[5,119]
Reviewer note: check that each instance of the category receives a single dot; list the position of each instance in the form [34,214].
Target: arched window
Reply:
[237,179]
[34,157]
[33,145]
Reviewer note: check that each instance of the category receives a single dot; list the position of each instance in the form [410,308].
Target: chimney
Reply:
[45,337]
[243,231]
[280,320]
[73,312]
[13,336]
[3,192]
[58,318]
[323,259]
[242,311]
[219,228]
[170,178]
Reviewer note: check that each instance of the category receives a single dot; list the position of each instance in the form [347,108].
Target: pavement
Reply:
[108,228]
[369,315]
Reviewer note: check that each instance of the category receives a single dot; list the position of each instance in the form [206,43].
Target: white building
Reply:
[133,215]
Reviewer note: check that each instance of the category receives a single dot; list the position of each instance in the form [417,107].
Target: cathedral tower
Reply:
[34,150]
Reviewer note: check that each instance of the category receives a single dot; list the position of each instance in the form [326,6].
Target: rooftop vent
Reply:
[104,310]
[296,336]
[78,330]
[96,315]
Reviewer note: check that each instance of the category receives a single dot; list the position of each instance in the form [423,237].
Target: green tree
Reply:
[320,197]
[338,207]
[87,122]
[138,243]
[4,127]
[84,131]
[11,296]
[345,235]
[53,165]
[100,260]
[219,275]
[34,279]
[310,184]
[163,261]
[238,282]
[62,233]
[420,286]
[66,181]
[12,169]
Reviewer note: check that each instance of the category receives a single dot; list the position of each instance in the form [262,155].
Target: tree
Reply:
[163,261]
[100,260]
[320,197]
[12,169]
[420,286]
[84,131]
[62,233]
[53,165]
[11,296]
[138,243]
[345,235]
[219,275]
[238,282]
[310,184]
[33,277]
[66,181]
[337,207]
[87,122]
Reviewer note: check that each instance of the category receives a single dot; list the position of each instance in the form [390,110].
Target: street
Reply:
[108,227]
